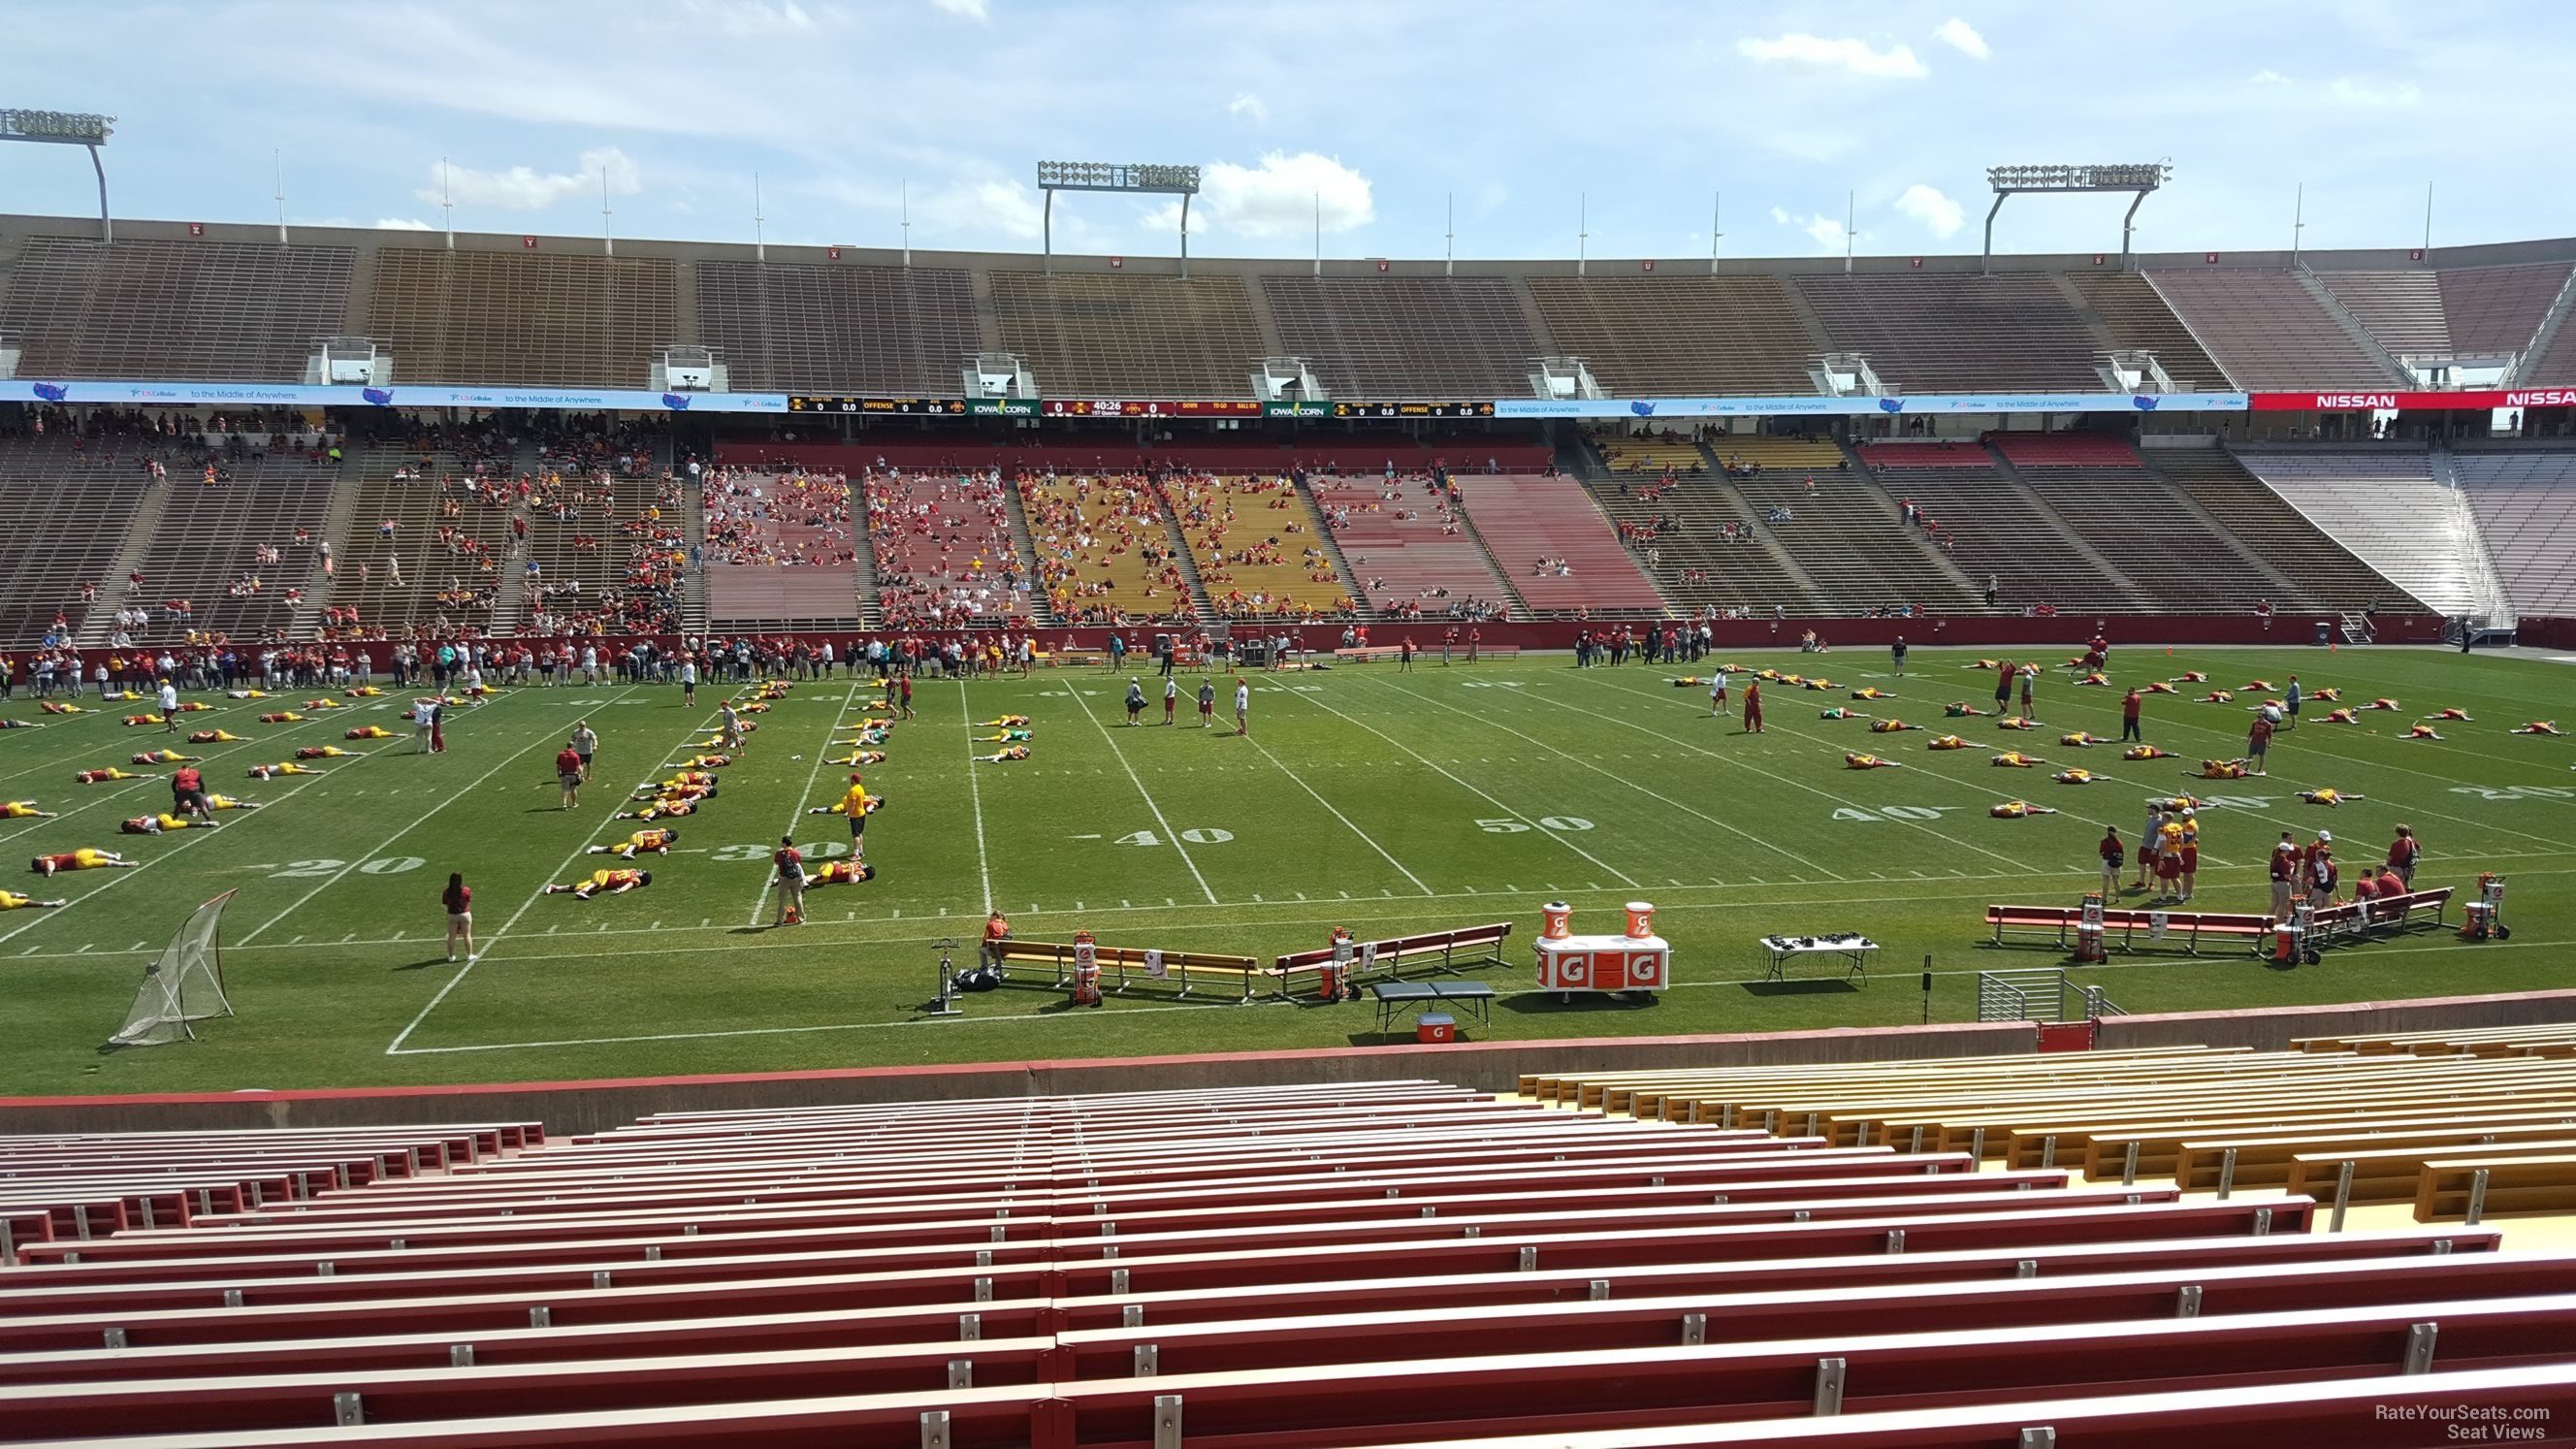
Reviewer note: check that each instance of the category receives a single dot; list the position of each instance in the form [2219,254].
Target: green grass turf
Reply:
[1388,803]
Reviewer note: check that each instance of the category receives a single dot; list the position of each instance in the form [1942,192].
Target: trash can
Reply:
[2325,633]
[1435,1026]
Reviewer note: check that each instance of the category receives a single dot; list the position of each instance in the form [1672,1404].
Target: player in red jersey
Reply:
[85,858]
[603,882]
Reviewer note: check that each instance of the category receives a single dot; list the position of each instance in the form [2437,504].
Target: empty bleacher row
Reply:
[1550,540]
[1092,335]
[2013,331]
[2162,545]
[876,331]
[2323,573]
[1409,553]
[2387,508]
[1996,530]
[205,550]
[1372,1263]
[1837,528]
[407,561]
[2526,509]
[1390,337]
[2269,331]
[1682,336]
[780,550]
[533,319]
[171,310]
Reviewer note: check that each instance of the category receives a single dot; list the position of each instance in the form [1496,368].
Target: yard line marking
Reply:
[1365,838]
[975,794]
[1508,810]
[1726,826]
[395,1047]
[416,822]
[769,877]
[1168,832]
[1783,779]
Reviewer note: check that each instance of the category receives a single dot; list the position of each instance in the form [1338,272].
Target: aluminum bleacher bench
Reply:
[2388,916]
[1125,966]
[2129,930]
[1445,951]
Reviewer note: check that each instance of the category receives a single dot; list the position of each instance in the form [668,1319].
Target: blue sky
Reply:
[1386,115]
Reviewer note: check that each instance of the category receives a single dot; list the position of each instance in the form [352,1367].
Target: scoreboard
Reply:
[953,407]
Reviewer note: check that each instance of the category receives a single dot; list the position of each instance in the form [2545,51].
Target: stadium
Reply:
[638,841]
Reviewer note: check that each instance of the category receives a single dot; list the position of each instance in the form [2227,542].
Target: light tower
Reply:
[2046,180]
[67,128]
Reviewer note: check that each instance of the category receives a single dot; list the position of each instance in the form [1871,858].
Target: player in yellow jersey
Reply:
[841,872]
[1011,752]
[2074,777]
[24,810]
[655,841]
[101,777]
[283,767]
[328,752]
[165,757]
[1868,762]
[215,737]
[2016,809]
[12,901]
[603,882]
[2016,760]
[2082,740]
[1945,742]
[1890,726]
[666,808]
[155,824]
[85,858]
[369,732]
[2145,752]
[854,757]
[2223,769]
[2328,795]
[228,802]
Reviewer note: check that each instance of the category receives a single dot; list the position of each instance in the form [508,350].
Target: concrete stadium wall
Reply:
[569,1107]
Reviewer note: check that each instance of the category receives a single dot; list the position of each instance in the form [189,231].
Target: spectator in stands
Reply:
[1994,590]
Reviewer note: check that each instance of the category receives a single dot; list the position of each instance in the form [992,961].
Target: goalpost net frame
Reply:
[183,985]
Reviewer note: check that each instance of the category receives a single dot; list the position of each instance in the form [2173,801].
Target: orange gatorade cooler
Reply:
[1559,918]
[1641,920]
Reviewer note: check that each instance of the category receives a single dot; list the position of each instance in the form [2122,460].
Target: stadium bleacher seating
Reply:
[2133,315]
[2402,310]
[89,491]
[1387,338]
[1105,552]
[1995,529]
[1843,532]
[1682,336]
[204,549]
[524,318]
[943,549]
[1550,540]
[2387,508]
[1258,547]
[1696,536]
[175,310]
[1956,332]
[2494,311]
[434,571]
[1409,555]
[2162,544]
[780,550]
[2326,574]
[1074,1270]
[828,328]
[1097,334]
[2268,331]
[2525,504]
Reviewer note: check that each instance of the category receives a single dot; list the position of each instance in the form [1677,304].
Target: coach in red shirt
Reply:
[568,774]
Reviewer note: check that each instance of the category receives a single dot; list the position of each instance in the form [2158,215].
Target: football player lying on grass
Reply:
[700,762]
[2221,770]
[245,694]
[2097,679]
[842,872]
[2175,804]
[101,777]
[85,858]
[1945,742]
[1006,737]
[1011,721]
[2341,716]
[2016,760]
[155,824]
[2381,703]
[144,719]
[12,901]
[2082,740]
[166,757]
[668,808]
[1871,692]
[2158,686]
[2190,676]
[2539,727]
[324,704]
[362,691]
[2256,686]
[2327,795]
[329,752]
[229,802]
[2216,696]
[1816,684]
[1890,727]
[2451,712]
[603,882]
[1867,762]
[2016,722]
[657,841]
[687,781]
[286,716]
[1959,709]
[1839,712]
[369,732]
[857,757]
[24,810]
[2420,732]
[19,724]
[1015,752]
[2075,777]
[2145,752]
[2016,809]
[55,707]
[2329,695]
[215,737]
[283,767]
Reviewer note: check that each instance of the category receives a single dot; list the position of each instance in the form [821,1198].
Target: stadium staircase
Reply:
[141,527]
[1844,535]
[2542,362]
[1331,544]
[1184,556]
[2122,590]
[1015,512]
[337,521]
[1753,575]
[2353,326]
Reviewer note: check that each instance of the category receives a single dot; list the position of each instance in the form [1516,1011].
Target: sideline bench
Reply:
[1465,946]
[2129,930]
[1421,651]
[2389,915]
[1125,966]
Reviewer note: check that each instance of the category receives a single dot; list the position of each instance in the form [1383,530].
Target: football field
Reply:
[1385,802]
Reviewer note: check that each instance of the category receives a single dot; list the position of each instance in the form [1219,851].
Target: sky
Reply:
[1498,129]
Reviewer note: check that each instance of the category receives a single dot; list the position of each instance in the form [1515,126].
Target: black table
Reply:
[1396,997]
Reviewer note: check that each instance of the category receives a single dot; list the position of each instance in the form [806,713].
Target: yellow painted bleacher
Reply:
[1259,547]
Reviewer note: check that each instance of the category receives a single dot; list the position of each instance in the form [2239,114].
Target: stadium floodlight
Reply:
[2138,177]
[1159,180]
[67,128]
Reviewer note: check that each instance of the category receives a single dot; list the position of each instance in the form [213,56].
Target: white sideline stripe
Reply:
[1365,838]
[343,872]
[394,1047]
[1168,833]
[1479,893]
[770,878]
[1317,700]
[1780,850]
[1052,1013]
[975,797]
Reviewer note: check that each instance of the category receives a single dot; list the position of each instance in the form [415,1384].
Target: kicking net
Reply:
[185,984]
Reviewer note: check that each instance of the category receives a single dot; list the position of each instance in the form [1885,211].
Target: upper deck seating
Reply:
[1550,539]
[1682,336]
[2402,310]
[173,310]
[1112,335]
[2134,315]
[1958,333]
[523,318]
[2493,311]
[829,328]
[2269,332]
[1382,339]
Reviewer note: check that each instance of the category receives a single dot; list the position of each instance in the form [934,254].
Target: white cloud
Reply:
[1282,196]
[1780,214]
[1847,53]
[979,11]
[1009,207]
[1825,231]
[1962,37]
[1939,214]
[402,223]
[524,188]
[2269,77]
[753,18]
[2364,93]
[1245,103]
